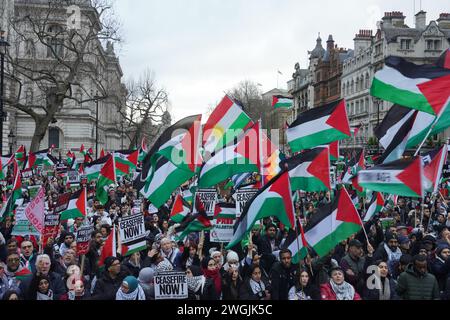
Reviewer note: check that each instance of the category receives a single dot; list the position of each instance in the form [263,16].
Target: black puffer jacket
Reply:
[106,287]
[282,280]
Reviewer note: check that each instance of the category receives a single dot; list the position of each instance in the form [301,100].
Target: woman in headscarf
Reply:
[231,284]
[254,287]
[130,290]
[199,287]
[212,271]
[40,288]
[337,288]
[384,284]
[304,289]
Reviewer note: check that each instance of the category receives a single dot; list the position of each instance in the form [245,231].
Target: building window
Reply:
[367,81]
[53,137]
[405,44]
[55,41]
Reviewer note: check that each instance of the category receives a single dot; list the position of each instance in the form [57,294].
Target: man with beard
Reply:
[15,273]
[283,275]
[416,283]
[27,256]
[69,258]
[267,245]
[389,251]
[93,254]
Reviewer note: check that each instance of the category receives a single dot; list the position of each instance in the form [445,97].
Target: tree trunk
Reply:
[39,132]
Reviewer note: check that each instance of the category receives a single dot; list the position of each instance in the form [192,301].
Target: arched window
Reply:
[55,41]
[53,137]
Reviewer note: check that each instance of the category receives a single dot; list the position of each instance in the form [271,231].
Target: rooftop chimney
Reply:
[444,20]
[421,20]
[394,19]
[362,40]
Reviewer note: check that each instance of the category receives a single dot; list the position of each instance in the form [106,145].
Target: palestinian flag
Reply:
[299,247]
[331,224]
[107,177]
[166,178]
[180,209]
[400,177]
[21,156]
[176,136]
[354,130]
[70,159]
[234,159]
[310,170]
[444,60]
[270,159]
[102,153]
[274,199]
[188,196]
[238,179]
[92,169]
[282,102]
[109,249]
[399,140]
[421,87]
[225,211]
[126,161]
[226,122]
[317,126]
[8,207]
[334,151]
[355,165]
[77,207]
[375,206]
[42,157]
[143,151]
[23,274]
[433,163]
[5,162]
[194,223]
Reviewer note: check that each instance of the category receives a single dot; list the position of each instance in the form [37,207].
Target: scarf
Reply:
[385,290]
[194,283]
[215,276]
[137,294]
[343,291]
[257,286]
[43,296]
[393,257]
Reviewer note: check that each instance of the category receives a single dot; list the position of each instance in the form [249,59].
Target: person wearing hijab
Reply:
[337,288]
[146,281]
[199,287]
[130,290]
[40,288]
[384,284]
[212,271]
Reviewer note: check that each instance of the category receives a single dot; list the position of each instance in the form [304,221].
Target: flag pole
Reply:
[428,133]
[260,153]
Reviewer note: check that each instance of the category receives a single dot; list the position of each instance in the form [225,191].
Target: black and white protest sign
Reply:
[132,228]
[333,177]
[242,196]
[73,177]
[27,173]
[171,285]
[209,198]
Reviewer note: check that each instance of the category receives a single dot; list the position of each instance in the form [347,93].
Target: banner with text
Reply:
[242,196]
[171,285]
[209,199]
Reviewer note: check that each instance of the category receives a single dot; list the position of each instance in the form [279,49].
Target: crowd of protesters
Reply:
[405,259]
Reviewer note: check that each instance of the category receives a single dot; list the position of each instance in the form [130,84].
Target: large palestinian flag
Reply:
[233,159]
[317,126]
[375,206]
[330,225]
[109,249]
[274,199]
[226,122]
[42,157]
[400,177]
[143,150]
[310,170]
[164,145]
[92,169]
[355,165]
[21,156]
[76,207]
[282,102]
[422,87]
[126,161]
[180,209]
[194,223]
[106,178]
[161,183]
[334,151]
[433,163]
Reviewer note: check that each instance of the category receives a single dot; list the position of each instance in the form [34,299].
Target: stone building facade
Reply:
[75,124]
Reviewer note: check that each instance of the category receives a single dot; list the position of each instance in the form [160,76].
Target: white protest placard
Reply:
[132,228]
[333,177]
[209,199]
[242,196]
[223,223]
[73,177]
[171,285]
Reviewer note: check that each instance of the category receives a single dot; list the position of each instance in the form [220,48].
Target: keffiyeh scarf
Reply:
[343,291]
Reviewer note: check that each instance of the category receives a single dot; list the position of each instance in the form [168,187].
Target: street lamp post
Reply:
[96,126]
[11,137]
[3,46]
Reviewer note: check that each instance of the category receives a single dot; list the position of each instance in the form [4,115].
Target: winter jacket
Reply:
[374,294]
[282,280]
[56,285]
[440,269]
[327,293]
[412,286]
[106,287]
[4,285]
[206,292]
[246,292]
[310,292]
[358,267]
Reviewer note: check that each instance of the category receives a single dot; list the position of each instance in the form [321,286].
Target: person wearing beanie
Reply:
[130,290]
[146,278]
[232,262]
[440,265]
[389,251]
[404,244]
[199,287]
[337,288]
[110,281]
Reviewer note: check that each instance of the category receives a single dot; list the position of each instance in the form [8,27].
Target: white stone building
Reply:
[420,44]
[76,123]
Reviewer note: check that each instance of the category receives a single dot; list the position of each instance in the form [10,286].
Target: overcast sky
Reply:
[200,48]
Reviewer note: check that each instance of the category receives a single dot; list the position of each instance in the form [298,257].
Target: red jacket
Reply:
[327,293]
